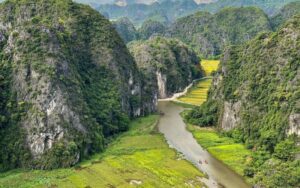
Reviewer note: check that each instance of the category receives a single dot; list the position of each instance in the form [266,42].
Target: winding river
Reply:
[174,130]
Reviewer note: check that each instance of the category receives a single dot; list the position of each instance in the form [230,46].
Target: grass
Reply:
[234,155]
[139,156]
[209,66]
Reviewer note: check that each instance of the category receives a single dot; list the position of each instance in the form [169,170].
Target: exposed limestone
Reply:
[161,82]
[294,124]
[168,66]
[65,90]
[230,118]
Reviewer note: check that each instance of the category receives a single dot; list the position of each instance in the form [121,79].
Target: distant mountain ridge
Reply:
[287,12]
[209,34]
[173,9]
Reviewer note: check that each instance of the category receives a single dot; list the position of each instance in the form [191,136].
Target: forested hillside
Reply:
[67,83]
[165,11]
[285,13]
[151,28]
[167,65]
[126,30]
[255,99]
[209,34]
[169,10]
[269,6]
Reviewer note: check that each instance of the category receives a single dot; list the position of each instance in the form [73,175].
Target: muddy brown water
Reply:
[174,130]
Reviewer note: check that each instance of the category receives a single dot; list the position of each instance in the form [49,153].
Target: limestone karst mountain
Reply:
[168,65]
[255,100]
[67,83]
[209,34]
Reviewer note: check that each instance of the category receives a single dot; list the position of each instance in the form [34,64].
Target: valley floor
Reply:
[139,157]
[234,155]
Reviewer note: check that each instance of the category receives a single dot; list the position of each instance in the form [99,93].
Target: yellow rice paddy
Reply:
[209,66]
[198,93]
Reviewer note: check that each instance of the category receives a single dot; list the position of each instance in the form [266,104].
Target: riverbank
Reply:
[174,129]
[234,155]
[138,157]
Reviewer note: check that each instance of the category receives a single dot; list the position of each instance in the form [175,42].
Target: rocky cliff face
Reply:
[168,65]
[231,115]
[67,81]
[255,100]
[294,124]
[261,80]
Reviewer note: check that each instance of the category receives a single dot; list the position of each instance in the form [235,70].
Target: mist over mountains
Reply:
[169,10]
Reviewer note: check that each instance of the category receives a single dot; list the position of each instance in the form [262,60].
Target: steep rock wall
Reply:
[67,83]
[169,65]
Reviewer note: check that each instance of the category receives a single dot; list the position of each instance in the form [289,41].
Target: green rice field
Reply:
[234,155]
[138,158]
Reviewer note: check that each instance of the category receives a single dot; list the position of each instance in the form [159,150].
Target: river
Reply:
[174,130]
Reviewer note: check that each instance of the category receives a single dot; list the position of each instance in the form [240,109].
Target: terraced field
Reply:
[139,157]
[198,93]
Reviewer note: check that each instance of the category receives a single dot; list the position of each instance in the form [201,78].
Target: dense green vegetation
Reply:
[168,65]
[151,28]
[65,84]
[13,153]
[209,34]
[126,30]
[139,157]
[269,6]
[205,116]
[164,11]
[287,12]
[262,76]
[68,87]
[167,11]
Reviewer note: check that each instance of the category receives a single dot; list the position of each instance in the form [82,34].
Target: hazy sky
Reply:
[95,1]
[89,1]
